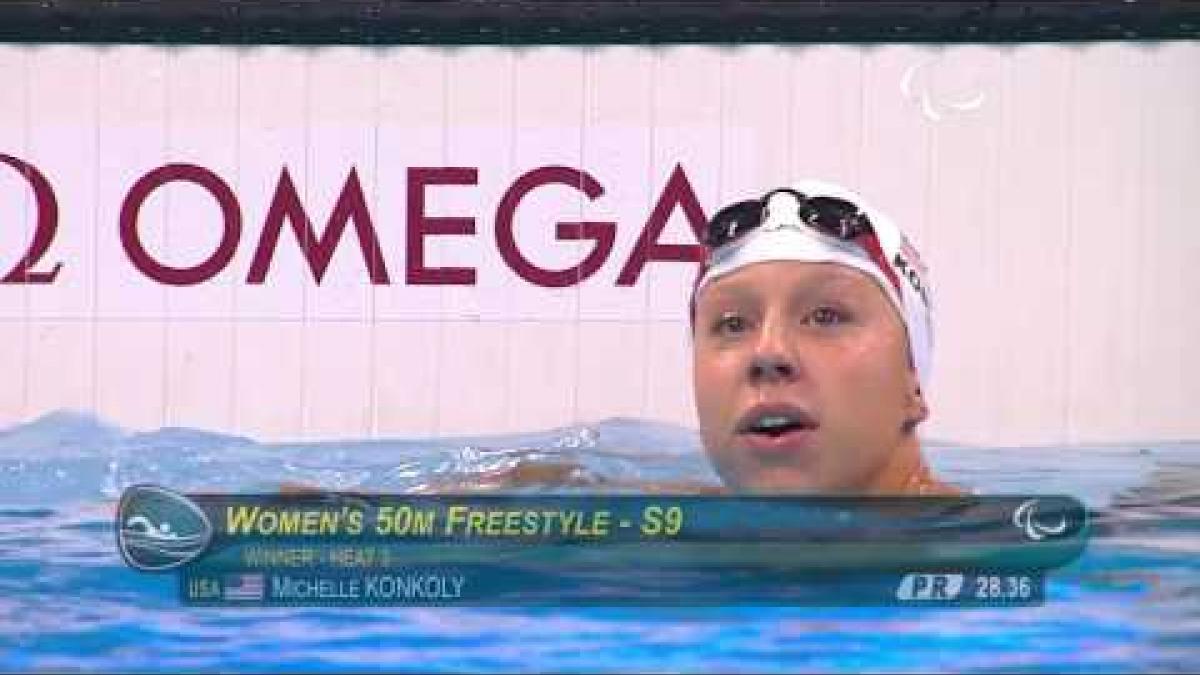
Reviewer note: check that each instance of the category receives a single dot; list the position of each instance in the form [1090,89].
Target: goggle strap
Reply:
[870,243]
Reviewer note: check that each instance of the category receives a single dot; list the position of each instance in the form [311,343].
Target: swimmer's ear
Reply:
[917,410]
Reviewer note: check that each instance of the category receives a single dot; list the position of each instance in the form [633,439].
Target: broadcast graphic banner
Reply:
[333,548]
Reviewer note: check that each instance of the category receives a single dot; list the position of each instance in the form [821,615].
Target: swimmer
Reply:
[812,341]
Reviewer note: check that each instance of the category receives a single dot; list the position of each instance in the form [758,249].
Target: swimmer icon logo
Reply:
[159,530]
[1025,518]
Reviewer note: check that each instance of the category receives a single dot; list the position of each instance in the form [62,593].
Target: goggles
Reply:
[830,216]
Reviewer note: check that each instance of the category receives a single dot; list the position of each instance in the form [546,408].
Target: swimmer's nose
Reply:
[771,368]
[772,361]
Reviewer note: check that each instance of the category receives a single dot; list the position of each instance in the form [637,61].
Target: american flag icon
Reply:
[244,587]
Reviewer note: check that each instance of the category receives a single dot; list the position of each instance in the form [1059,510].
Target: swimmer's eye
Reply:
[730,323]
[827,316]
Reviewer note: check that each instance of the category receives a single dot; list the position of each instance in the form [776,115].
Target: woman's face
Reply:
[803,380]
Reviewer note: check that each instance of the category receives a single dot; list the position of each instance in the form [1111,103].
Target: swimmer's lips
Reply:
[777,428]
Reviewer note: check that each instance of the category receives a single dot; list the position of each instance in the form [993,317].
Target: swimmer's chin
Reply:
[805,484]
[775,484]
[794,489]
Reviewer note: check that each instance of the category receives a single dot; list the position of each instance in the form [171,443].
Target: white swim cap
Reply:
[784,236]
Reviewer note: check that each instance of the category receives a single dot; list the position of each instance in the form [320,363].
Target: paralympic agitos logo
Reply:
[351,208]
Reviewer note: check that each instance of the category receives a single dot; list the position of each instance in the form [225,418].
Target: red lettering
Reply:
[318,250]
[603,233]
[44,231]
[677,193]
[421,226]
[231,221]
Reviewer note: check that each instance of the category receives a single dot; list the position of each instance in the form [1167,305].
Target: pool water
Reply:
[67,602]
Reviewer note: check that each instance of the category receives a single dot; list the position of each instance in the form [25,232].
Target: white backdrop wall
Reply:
[1052,189]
